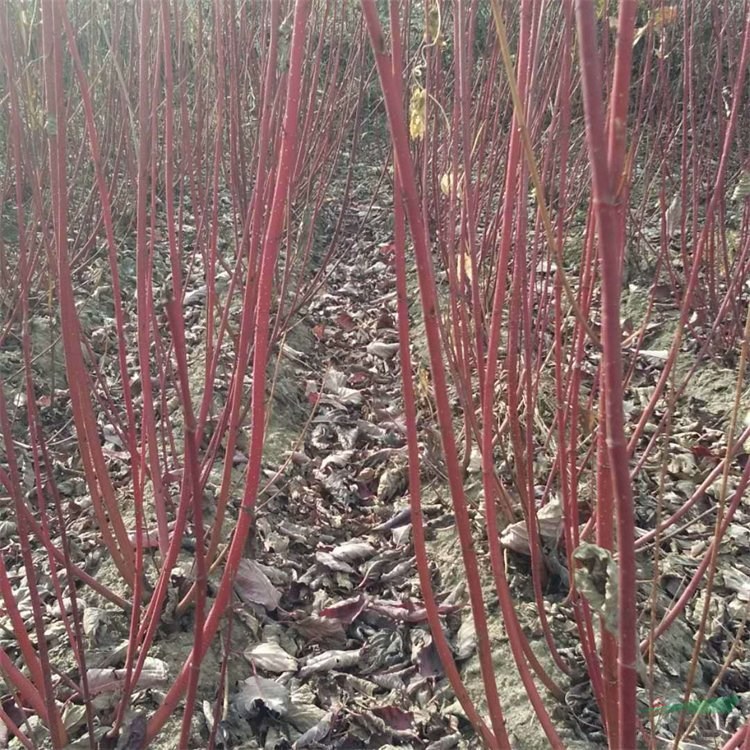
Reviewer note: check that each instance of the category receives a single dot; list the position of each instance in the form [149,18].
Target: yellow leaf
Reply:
[463,263]
[742,190]
[447,182]
[664,16]
[432,33]
[639,33]
[417,112]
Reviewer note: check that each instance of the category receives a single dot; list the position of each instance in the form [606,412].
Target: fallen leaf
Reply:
[196,296]
[339,459]
[252,585]
[515,536]
[329,660]
[315,734]
[346,611]
[346,321]
[94,619]
[134,737]
[323,630]
[259,693]
[395,717]
[353,551]
[382,349]
[319,331]
[155,673]
[466,638]
[737,581]
[270,657]
[393,482]
[327,560]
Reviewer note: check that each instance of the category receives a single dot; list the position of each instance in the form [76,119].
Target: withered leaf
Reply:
[270,657]
[329,660]
[346,611]
[382,349]
[258,693]
[252,585]
[324,630]
[315,734]
[353,551]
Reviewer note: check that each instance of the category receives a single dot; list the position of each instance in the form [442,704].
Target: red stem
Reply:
[260,360]
[610,256]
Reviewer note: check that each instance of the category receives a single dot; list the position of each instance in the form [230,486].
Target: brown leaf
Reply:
[393,482]
[382,349]
[327,560]
[315,734]
[135,735]
[346,321]
[323,630]
[395,717]
[385,321]
[329,660]
[334,386]
[270,657]
[549,520]
[319,331]
[252,585]
[353,551]
[346,611]
[258,693]
[155,673]
[407,610]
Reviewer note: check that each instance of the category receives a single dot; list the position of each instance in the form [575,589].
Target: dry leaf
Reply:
[596,581]
[432,34]
[393,482]
[353,551]
[742,190]
[737,581]
[463,266]
[446,185]
[316,733]
[154,674]
[270,657]
[329,660]
[323,630]
[382,349]
[94,619]
[549,522]
[327,560]
[346,611]
[252,585]
[258,693]
[466,638]
[334,384]
[664,16]
[417,112]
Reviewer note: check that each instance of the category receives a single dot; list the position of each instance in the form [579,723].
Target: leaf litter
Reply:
[327,616]
[328,612]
